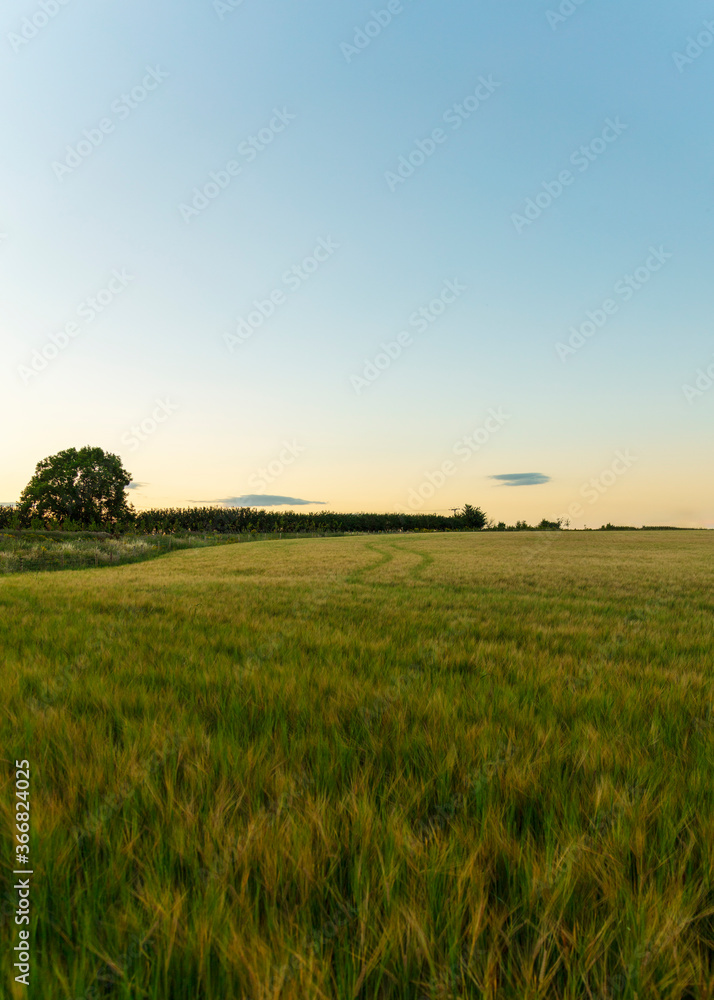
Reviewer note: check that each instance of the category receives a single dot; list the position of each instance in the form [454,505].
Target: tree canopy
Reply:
[473,517]
[86,487]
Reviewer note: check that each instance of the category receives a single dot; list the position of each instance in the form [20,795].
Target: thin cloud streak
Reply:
[261,500]
[521,479]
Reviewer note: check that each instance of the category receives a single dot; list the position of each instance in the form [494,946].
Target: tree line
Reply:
[85,489]
[224,520]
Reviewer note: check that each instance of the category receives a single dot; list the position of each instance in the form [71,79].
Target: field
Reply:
[414,767]
[24,551]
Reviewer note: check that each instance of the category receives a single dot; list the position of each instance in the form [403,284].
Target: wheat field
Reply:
[414,766]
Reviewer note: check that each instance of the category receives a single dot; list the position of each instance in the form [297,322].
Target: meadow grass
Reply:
[23,551]
[414,767]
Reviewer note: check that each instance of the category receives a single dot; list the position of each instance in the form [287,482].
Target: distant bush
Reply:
[544,525]
[9,518]
[471,517]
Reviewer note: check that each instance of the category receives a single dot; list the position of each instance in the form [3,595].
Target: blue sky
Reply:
[552,222]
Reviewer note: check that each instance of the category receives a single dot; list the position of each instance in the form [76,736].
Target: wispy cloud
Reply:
[261,500]
[521,479]
[136,486]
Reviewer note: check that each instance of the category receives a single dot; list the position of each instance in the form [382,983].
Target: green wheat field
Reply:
[398,766]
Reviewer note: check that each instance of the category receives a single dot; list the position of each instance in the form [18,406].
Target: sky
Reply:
[364,256]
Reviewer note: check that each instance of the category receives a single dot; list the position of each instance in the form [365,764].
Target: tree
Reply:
[472,517]
[85,487]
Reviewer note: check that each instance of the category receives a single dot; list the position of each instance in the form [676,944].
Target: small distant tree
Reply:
[84,488]
[472,517]
[551,525]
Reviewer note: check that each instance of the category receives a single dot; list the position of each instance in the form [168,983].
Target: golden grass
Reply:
[373,767]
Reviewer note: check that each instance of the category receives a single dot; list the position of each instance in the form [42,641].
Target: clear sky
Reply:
[373,255]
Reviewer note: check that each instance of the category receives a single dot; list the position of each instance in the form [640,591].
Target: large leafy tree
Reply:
[86,487]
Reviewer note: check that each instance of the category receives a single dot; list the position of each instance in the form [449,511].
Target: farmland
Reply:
[28,551]
[414,767]
[31,551]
